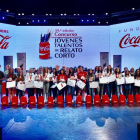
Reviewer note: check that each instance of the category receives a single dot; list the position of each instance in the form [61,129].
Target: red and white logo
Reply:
[3,42]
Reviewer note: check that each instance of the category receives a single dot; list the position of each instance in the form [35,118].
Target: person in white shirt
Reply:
[30,77]
[47,79]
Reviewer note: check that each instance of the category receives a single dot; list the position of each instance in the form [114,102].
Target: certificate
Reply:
[29,84]
[10,84]
[83,78]
[61,85]
[120,81]
[38,84]
[137,83]
[129,80]
[21,86]
[53,86]
[80,84]
[91,79]
[71,82]
[103,80]
[111,78]
[94,84]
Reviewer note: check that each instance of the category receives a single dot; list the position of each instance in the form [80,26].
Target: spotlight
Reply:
[74,14]
[27,22]
[87,20]
[61,14]
[99,22]
[133,8]
[89,14]
[78,14]
[3,17]
[44,20]
[65,14]
[7,10]
[23,14]
[32,20]
[93,14]
[106,13]
[93,20]
[67,22]
[50,14]
[38,20]
[106,22]
[18,22]
[82,20]
[19,14]
[33,14]
[0,9]
[46,14]
[58,22]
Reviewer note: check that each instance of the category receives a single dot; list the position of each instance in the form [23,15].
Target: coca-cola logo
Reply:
[128,41]
[3,42]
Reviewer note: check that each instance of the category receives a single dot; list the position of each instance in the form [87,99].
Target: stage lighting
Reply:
[74,14]
[27,22]
[38,20]
[33,14]
[50,14]
[99,22]
[87,20]
[65,14]
[44,20]
[93,20]
[89,14]
[23,14]
[93,14]
[18,22]
[67,22]
[3,17]
[106,22]
[7,10]
[106,13]
[133,8]
[19,14]
[46,14]
[82,20]
[0,9]
[32,20]
[61,14]
[78,14]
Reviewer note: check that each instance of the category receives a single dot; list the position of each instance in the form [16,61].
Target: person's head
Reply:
[80,68]
[7,67]
[64,67]
[41,69]
[132,70]
[21,73]
[117,71]
[45,70]
[137,73]
[11,71]
[38,71]
[67,69]
[71,70]
[54,71]
[18,69]
[77,70]
[33,70]
[62,71]
[90,72]
[96,68]
[30,70]
[127,73]
[109,69]
[49,70]
[125,69]
[57,67]
[100,69]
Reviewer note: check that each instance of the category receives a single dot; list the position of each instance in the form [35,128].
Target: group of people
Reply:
[51,76]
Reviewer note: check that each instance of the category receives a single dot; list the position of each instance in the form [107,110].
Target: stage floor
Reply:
[70,123]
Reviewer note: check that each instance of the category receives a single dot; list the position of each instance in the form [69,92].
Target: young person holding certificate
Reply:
[62,78]
[82,75]
[38,78]
[137,77]
[71,76]
[20,79]
[11,77]
[30,78]
[118,76]
[54,80]
[127,87]
[132,73]
[98,75]
[46,84]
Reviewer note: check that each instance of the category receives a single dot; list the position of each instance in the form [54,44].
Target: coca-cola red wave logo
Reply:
[3,42]
[128,41]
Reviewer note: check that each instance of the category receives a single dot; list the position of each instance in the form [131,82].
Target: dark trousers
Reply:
[30,92]
[20,93]
[61,92]
[50,89]
[6,91]
[54,92]
[38,93]
[17,92]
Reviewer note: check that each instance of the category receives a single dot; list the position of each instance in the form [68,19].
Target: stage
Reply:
[75,123]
